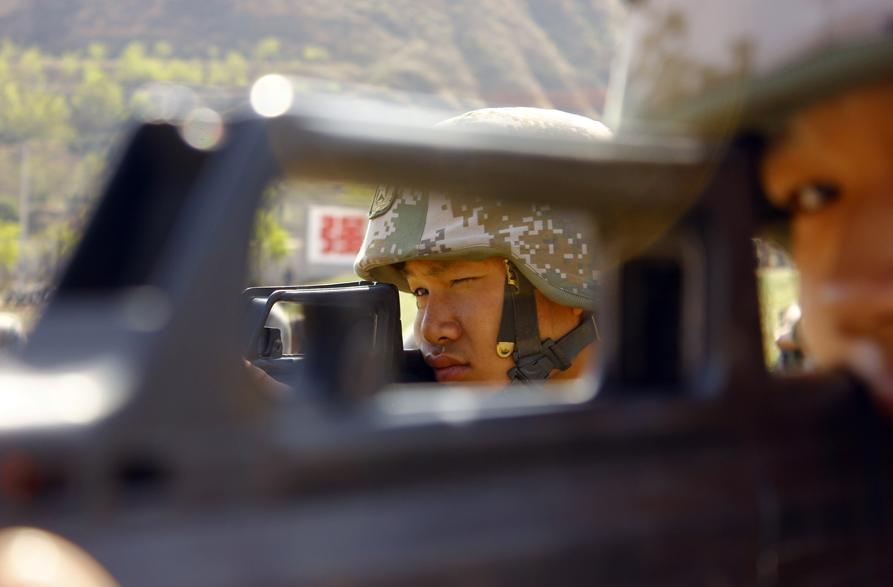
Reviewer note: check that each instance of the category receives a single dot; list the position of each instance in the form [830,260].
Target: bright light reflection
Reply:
[272,95]
[202,129]
[35,558]
[32,400]
[458,407]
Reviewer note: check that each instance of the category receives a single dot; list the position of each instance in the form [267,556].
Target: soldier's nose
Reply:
[437,325]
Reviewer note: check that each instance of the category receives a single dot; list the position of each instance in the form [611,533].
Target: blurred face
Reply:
[460,308]
[834,171]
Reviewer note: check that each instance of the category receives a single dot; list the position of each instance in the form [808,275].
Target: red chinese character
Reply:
[353,230]
[327,235]
[342,235]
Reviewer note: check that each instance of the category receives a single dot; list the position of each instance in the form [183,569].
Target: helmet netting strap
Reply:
[519,335]
[505,340]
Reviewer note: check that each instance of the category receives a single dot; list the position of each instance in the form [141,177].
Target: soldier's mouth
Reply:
[447,368]
[454,373]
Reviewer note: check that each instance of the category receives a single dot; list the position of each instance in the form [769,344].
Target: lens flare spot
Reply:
[202,129]
[32,557]
[272,95]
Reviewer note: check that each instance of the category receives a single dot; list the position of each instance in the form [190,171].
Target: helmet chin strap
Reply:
[519,335]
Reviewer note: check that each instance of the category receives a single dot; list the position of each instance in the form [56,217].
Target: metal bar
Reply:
[621,174]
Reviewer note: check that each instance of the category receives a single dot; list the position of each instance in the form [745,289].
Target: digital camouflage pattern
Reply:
[554,252]
[713,66]
[554,249]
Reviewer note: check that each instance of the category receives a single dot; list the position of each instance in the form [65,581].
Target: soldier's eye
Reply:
[813,197]
[462,280]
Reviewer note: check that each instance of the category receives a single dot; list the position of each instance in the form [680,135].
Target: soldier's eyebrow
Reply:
[431,270]
[437,269]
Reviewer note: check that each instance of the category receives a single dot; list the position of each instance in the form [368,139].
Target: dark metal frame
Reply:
[705,470]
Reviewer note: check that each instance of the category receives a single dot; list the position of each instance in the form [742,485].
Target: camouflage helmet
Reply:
[554,249]
[711,67]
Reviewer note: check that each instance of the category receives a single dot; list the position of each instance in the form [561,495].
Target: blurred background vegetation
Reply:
[72,73]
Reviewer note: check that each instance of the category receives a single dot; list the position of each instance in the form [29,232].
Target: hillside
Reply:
[532,52]
[73,71]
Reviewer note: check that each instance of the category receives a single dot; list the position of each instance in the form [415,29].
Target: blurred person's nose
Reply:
[865,252]
[859,286]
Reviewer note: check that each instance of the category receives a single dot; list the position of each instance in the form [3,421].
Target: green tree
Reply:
[8,50]
[183,71]
[31,111]
[97,103]
[96,51]
[31,66]
[8,211]
[9,245]
[238,68]
[88,172]
[28,112]
[29,107]
[70,65]
[270,242]
[62,238]
[135,66]
[163,49]
[267,49]
[315,53]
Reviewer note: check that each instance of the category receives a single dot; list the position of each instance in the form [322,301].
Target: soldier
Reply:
[505,292]
[815,79]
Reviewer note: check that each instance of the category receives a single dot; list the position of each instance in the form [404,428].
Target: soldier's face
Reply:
[460,308]
[834,170]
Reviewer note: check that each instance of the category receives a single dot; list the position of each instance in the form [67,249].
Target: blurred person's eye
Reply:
[812,197]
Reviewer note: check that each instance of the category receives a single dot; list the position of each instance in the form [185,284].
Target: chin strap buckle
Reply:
[519,336]
[532,367]
[554,355]
[553,352]
[511,278]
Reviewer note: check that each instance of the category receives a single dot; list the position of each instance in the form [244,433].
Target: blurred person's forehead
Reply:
[847,138]
[857,114]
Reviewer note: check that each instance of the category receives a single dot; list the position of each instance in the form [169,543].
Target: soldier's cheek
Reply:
[475,312]
[471,310]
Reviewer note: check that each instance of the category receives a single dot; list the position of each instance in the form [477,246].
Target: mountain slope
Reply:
[532,52]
